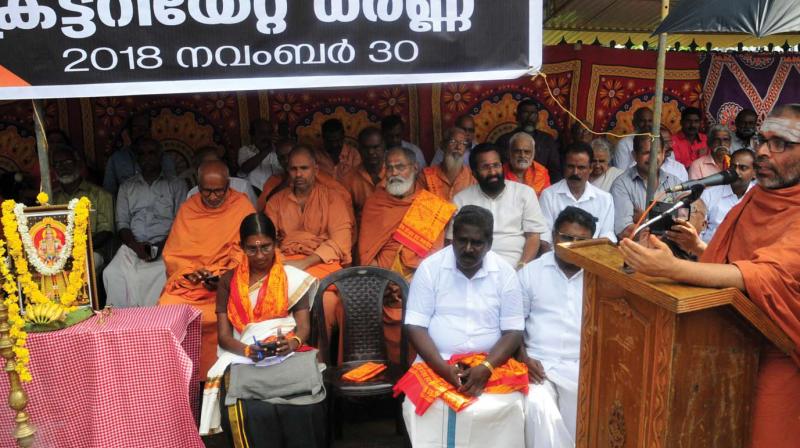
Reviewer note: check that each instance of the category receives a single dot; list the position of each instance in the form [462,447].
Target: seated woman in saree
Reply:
[263,317]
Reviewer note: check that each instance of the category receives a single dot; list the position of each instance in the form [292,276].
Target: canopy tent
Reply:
[755,17]
[620,20]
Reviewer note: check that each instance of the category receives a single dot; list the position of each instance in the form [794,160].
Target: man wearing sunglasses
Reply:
[553,292]
[755,250]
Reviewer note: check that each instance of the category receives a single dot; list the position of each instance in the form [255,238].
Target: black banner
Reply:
[82,48]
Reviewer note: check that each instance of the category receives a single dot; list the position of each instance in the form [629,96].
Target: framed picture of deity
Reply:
[52,240]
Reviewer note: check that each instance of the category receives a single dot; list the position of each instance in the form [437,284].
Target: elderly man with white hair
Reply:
[603,174]
[521,166]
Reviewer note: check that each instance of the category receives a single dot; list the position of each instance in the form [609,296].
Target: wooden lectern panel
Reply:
[663,364]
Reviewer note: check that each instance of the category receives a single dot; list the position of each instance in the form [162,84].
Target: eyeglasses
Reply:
[400,167]
[213,191]
[265,249]
[567,238]
[463,144]
[775,144]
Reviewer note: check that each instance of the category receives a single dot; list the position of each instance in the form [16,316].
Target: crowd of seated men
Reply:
[247,245]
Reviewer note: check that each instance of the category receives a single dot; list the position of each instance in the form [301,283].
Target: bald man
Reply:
[204,244]
[146,206]
[314,224]
[207,154]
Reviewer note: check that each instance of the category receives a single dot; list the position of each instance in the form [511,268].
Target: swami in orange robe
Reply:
[279,181]
[536,176]
[435,180]
[761,237]
[203,238]
[323,226]
[392,238]
[349,159]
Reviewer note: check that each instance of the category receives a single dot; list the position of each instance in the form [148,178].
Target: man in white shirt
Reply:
[719,200]
[642,123]
[670,165]
[575,190]
[553,291]
[146,206]
[258,161]
[393,129]
[466,299]
[746,123]
[518,219]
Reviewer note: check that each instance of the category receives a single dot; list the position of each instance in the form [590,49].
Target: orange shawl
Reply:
[424,221]
[761,236]
[536,176]
[380,218]
[423,386]
[273,295]
[202,237]
[435,180]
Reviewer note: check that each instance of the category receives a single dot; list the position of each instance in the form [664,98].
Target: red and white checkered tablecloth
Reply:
[131,381]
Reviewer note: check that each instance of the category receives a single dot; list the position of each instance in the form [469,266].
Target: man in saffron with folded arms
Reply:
[448,178]
[370,175]
[202,245]
[314,226]
[401,225]
[755,249]
[465,318]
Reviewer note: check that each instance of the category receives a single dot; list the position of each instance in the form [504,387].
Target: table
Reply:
[127,380]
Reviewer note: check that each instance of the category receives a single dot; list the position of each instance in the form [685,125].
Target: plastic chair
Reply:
[361,291]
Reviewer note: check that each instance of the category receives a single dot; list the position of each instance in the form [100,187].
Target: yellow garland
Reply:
[29,287]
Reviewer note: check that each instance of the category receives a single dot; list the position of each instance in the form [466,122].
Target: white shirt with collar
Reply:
[719,200]
[598,203]
[553,310]
[672,166]
[465,315]
[515,210]
[268,167]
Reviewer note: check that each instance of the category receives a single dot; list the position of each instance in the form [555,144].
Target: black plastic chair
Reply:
[361,291]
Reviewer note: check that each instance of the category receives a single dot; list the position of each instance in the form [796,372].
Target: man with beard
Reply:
[258,161]
[202,245]
[553,291]
[71,185]
[400,225]
[146,207]
[521,166]
[314,228]
[518,220]
[546,148]
[363,181]
[467,124]
[629,191]
[337,158]
[393,130]
[717,159]
[642,124]
[576,190]
[755,250]
[746,122]
[449,177]
[689,144]
[465,319]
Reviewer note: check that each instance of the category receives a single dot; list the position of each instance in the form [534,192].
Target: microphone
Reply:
[722,178]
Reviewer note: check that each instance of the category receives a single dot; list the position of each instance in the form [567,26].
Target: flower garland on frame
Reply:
[30,250]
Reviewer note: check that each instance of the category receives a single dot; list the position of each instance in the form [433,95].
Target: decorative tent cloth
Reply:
[601,85]
[758,81]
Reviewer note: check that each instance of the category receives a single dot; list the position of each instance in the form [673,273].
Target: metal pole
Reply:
[41,146]
[655,148]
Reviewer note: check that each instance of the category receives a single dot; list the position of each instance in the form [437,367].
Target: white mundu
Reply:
[466,315]
[553,311]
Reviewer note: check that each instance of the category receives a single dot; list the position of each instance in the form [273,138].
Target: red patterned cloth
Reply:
[131,381]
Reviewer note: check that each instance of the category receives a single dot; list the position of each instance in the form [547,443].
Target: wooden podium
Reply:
[663,364]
